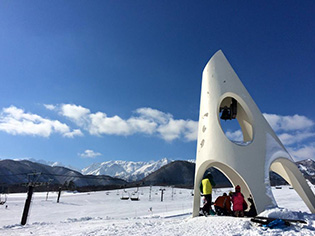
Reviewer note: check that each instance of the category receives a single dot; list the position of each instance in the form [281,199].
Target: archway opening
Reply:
[226,179]
[235,122]
[276,180]
[219,178]
[282,177]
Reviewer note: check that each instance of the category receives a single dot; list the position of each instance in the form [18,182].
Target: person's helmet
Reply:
[209,175]
[238,188]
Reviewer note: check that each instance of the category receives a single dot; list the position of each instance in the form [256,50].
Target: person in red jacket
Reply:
[222,205]
[238,202]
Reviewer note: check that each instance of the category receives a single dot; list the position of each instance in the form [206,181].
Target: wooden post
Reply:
[162,192]
[59,195]
[150,193]
[27,205]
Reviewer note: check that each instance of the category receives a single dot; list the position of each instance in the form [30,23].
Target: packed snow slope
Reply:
[103,213]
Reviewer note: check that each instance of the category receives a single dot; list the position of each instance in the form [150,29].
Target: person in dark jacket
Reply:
[252,209]
[206,189]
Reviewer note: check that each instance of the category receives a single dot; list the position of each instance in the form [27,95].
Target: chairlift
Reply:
[3,201]
[124,195]
[134,197]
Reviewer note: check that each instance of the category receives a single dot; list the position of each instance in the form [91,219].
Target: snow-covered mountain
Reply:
[13,174]
[53,164]
[151,172]
[127,170]
[307,166]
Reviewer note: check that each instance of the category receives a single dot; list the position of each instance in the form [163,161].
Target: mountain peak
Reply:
[127,170]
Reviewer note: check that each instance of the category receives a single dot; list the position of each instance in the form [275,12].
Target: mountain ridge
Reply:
[22,172]
[127,170]
[177,173]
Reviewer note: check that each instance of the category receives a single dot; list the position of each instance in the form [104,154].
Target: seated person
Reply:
[222,205]
[252,209]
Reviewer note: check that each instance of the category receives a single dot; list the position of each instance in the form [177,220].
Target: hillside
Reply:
[181,173]
[17,173]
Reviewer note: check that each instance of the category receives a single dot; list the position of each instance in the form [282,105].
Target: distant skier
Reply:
[239,204]
[206,189]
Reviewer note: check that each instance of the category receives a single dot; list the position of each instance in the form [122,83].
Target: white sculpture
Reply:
[246,164]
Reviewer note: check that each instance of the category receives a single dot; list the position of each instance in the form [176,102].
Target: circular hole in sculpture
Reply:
[235,122]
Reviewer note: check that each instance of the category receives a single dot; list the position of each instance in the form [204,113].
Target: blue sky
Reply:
[91,81]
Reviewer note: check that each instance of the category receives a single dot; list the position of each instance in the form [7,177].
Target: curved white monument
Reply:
[246,164]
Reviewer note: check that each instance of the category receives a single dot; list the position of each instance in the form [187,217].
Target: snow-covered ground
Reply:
[103,213]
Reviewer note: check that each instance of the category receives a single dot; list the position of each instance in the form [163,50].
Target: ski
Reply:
[267,220]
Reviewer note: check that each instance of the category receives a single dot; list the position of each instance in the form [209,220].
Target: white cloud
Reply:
[297,137]
[75,132]
[49,107]
[288,123]
[145,120]
[171,130]
[17,122]
[101,124]
[235,136]
[77,114]
[175,129]
[304,152]
[154,115]
[142,125]
[191,131]
[290,129]
[89,154]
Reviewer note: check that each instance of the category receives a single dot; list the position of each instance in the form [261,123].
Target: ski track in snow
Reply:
[103,213]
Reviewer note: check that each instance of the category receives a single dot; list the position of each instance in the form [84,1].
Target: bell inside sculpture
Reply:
[226,113]
[229,113]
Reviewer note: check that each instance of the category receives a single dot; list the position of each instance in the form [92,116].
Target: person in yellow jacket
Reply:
[206,189]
